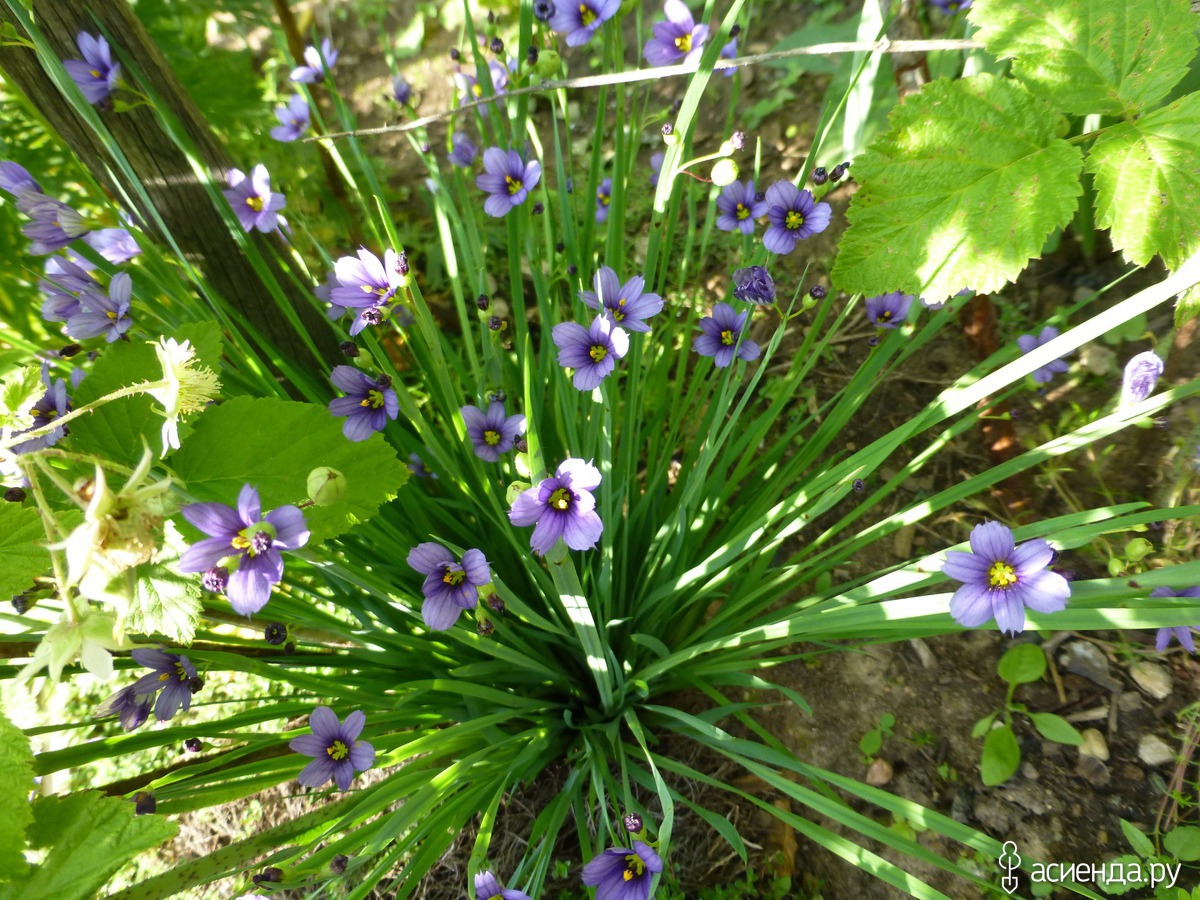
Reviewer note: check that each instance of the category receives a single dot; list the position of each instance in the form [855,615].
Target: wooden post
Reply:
[179,199]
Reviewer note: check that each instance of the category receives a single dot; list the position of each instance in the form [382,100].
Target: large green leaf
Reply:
[115,430]
[1092,56]
[16,762]
[1148,183]
[273,444]
[964,188]
[22,547]
[89,837]
[164,603]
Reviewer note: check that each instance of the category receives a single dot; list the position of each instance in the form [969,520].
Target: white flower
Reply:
[187,388]
[89,639]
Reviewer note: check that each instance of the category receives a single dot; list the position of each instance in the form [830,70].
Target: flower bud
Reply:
[548,64]
[496,46]
[819,175]
[215,580]
[326,486]
[337,865]
[1141,374]
[817,292]
[485,628]
[349,348]
[144,803]
[482,302]
[838,171]
[725,172]
[634,823]
[531,56]
[275,633]
[669,135]
[455,54]
[192,745]
[15,495]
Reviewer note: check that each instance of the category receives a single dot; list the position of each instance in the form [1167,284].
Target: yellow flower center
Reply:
[255,203]
[110,314]
[597,353]
[1001,575]
[727,338]
[586,15]
[95,73]
[476,89]
[793,220]
[452,578]
[684,43]
[561,499]
[337,750]
[603,198]
[491,438]
[885,316]
[742,212]
[514,184]
[374,400]
[634,867]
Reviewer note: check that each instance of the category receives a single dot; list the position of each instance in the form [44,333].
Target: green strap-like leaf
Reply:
[1148,183]
[965,187]
[16,762]
[1092,56]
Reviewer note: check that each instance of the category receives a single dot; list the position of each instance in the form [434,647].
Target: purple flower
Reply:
[753,284]
[318,63]
[729,51]
[101,315]
[366,283]
[562,506]
[721,332]
[603,198]
[17,181]
[507,180]
[54,225]
[50,406]
[416,465]
[132,707]
[487,886]
[679,39]
[469,87]
[656,162]
[1000,580]
[739,207]
[462,151]
[592,352]
[492,434]
[96,74]
[888,310]
[580,20]
[1028,343]
[621,874]
[336,750]
[251,540]
[624,304]
[252,200]
[368,404]
[66,277]
[951,6]
[1141,374]
[293,119]
[450,587]
[1182,633]
[401,90]
[114,244]
[794,216]
[173,673]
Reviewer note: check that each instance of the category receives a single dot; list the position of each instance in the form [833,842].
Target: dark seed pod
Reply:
[275,633]
[496,46]
[349,348]
[15,495]
[144,803]
[192,745]
[483,301]
[337,865]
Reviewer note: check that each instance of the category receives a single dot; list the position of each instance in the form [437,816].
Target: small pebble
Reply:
[1086,659]
[1094,745]
[1093,771]
[1151,678]
[879,773]
[1154,751]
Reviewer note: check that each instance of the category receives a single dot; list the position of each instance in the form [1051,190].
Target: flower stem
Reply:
[132,390]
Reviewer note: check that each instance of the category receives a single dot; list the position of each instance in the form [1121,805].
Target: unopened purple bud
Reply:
[560,247]
[531,57]
[144,803]
[22,603]
[1141,374]
[496,604]
[483,301]
[817,292]
[495,323]
[215,580]
[349,348]
[70,350]
[819,175]
[677,106]
[383,382]
[634,823]
[192,745]
[484,628]
[496,396]
[491,17]
[195,685]
[539,208]
[838,171]
[272,874]
[496,46]
[425,147]
[521,445]
[454,54]
[289,648]
[572,269]
[738,140]
[15,495]
[873,341]
[275,633]
[859,485]
[337,865]
[373,316]
[668,129]
[402,260]
[735,31]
